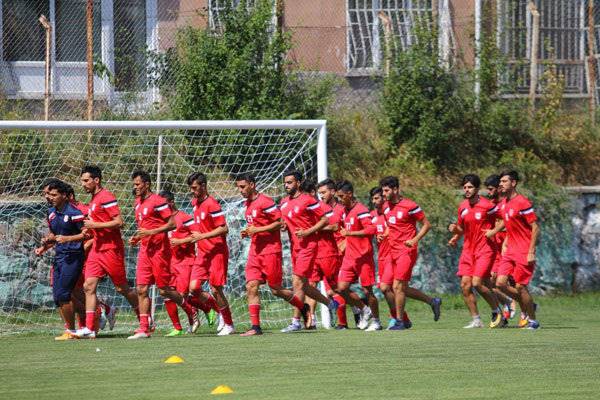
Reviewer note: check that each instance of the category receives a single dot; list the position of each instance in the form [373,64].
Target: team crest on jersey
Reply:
[145,211]
[352,221]
[66,218]
[254,213]
[296,209]
[380,228]
[478,215]
[202,215]
[93,207]
[392,220]
[290,214]
[400,214]
[511,212]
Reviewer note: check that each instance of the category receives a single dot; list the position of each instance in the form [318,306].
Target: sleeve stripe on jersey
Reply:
[77,217]
[493,210]
[415,210]
[161,207]
[387,210]
[329,214]
[363,215]
[526,211]
[270,209]
[464,212]
[109,204]
[189,222]
[217,213]
[313,206]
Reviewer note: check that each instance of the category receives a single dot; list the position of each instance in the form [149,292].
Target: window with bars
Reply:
[365,35]
[217,7]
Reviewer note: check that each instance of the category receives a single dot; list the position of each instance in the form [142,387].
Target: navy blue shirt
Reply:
[66,222]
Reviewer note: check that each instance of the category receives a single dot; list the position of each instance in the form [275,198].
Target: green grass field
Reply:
[433,360]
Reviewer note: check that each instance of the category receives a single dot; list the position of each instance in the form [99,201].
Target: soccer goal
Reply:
[32,151]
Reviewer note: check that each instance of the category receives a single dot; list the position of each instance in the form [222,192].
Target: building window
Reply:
[23,37]
[365,31]
[130,45]
[71,30]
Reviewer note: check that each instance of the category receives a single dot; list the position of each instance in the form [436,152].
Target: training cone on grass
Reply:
[174,360]
[222,389]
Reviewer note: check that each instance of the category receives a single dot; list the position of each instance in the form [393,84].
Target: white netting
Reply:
[29,156]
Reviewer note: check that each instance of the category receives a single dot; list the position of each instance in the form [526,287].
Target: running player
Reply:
[358,263]
[182,259]
[519,256]
[476,214]
[107,254]
[304,217]
[65,223]
[402,216]
[213,254]
[154,219]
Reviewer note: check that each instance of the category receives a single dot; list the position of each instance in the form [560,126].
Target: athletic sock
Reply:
[226,313]
[144,323]
[171,308]
[90,320]
[188,309]
[295,301]
[254,311]
[296,321]
[212,304]
[393,313]
[341,311]
[405,317]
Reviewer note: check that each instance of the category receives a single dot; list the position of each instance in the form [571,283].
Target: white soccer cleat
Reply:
[221,323]
[85,333]
[292,327]
[196,323]
[112,317]
[476,323]
[227,330]
[374,326]
[365,317]
[139,335]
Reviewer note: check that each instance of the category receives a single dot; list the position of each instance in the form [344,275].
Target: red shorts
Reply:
[180,276]
[109,262]
[326,268]
[521,272]
[479,265]
[303,260]
[154,266]
[385,271]
[496,265]
[211,267]
[265,268]
[362,268]
[403,264]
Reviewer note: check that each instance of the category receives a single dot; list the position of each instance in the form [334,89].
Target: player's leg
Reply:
[253,297]
[399,287]
[367,280]
[70,271]
[466,286]
[312,307]
[89,287]
[522,276]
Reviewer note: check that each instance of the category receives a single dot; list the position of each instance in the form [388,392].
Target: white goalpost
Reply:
[33,151]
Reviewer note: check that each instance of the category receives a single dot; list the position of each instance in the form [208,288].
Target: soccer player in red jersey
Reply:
[522,233]
[213,254]
[358,263]
[402,216]
[475,215]
[264,263]
[304,217]
[154,219]
[183,256]
[107,254]
[384,262]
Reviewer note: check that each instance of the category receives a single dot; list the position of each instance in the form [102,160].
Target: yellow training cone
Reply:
[222,389]
[174,360]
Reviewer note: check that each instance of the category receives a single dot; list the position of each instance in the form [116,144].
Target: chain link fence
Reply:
[44,45]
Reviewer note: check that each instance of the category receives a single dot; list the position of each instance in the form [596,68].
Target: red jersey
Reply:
[383,247]
[185,253]
[327,245]
[84,208]
[151,213]
[402,220]
[337,218]
[518,216]
[103,207]
[358,219]
[302,212]
[500,236]
[263,211]
[474,219]
[209,216]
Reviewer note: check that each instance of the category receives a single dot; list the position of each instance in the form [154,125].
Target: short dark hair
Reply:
[472,179]
[308,186]
[327,182]
[50,181]
[246,176]
[196,177]
[375,190]
[167,195]
[59,186]
[70,190]
[492,180]
[345,186]
[512,174]
[295,173]
[93,170]
[390,181]
[143,175]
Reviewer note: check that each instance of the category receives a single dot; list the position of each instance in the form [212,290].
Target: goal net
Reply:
[31,152]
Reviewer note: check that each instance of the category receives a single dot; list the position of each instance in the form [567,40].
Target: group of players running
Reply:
[332,238]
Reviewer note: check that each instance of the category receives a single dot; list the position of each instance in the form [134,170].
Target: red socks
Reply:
[405,317]
[171,308]
[226,313]
[90,320]
[254,310]
[341,311]
[144,323]
[295,301]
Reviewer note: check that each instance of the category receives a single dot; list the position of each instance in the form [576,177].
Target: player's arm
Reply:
[323,222]
[368,229]
[218,231]
[253,229]
[116,222]
[48,242]
[425,227]
[490,233]
[535,234]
